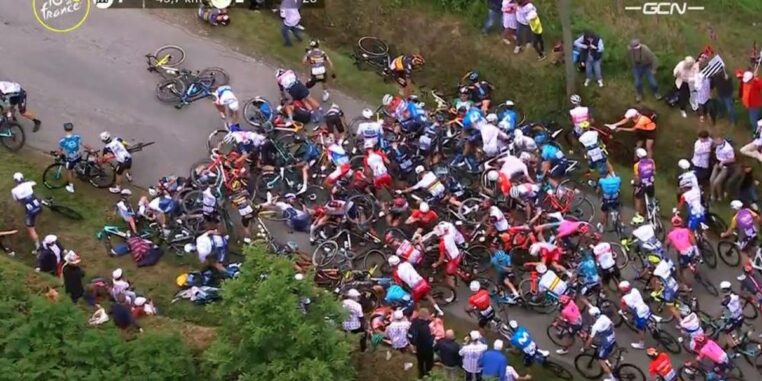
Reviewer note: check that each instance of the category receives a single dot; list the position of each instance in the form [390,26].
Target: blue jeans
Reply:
[489,22]
[755,114]
[638,71]
[729,107]
[593,68]
[284,32]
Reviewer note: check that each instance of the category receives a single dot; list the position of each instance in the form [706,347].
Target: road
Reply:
[95,77]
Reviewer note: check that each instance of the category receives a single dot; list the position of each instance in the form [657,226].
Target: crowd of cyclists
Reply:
[469,192]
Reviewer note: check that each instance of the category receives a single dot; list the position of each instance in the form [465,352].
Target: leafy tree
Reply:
[267,336]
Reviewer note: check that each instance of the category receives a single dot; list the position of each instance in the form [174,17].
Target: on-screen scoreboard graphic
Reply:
[170,4]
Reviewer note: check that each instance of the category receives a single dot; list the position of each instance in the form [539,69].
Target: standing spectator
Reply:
[493,363]
[748,189]
[72,276]
[523,31]
[702,152]
[50,256]
[494,10]
[750,93]
[536,26]
[423,341]
[448,351]
[724,171]
[472,354]
[590,46]
[397,331]
[289,12]
[644,63]
[509,21]
[684,72]
[355,322]
[723,85]
[703,98]
[512,375]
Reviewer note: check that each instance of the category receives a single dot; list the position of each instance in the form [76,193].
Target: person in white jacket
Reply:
[685,72]
[754,148]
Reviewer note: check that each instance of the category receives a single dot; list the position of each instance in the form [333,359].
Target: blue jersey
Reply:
[521,339]
[500,260]
[587,271]
[551,153]
[69,144]
[416,111]
[508,116]
[610,186]
[395,294]
[472,118]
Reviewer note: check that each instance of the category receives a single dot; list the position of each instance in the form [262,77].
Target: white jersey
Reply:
[501,223]
[376,164]
[209,201]
[23,191]
[725,153]
[692,198]
[512,165]
[551,282]
[603,324]
[338,155]
[354,314]
[691,325]
[9,88]
[370,130]
[644,233]
[590,140]
[579,117]
[204,246]
[490,139]
[431,183]
[688,180]
[406,272]
[635,302]
[287,79]
[117,148]
[734,306]
[224,96]
[604,256]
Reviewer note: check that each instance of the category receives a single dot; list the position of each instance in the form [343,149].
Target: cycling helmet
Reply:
[575,99]
[393,260]
[515,193]
[677,221]
[541,268]
[641,153]
[584,228]
[387,99]
[419,169]
[462,110]
[518,134]
[18,177]
[116,274]
[534,250]
[503,125]
[389,237]
[513,324]
[725,286]
[652,352]
[625,286]
[631,113]
[289,196]
[684,310]
[700,340]
[684,164]
[748,267]
[492,117]
[594,311]
[105,136]
[49,239]
[563,299]
[463,90]
[152,192]
[736,205]
[472,76]
[508,103]
[475,286]
[417,60]
[399,202]
[367,113]
[486,203]
[314,44]
[126,192]
[424,207]
[492,175]
[352,293]
[68,127]
[279,72]
[638,220]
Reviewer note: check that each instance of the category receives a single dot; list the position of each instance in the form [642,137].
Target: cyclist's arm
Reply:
[731,227]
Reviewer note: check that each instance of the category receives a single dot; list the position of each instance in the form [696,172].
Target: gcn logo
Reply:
[664,8]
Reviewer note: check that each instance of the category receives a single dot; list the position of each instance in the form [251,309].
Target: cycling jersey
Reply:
[374,160]
[523,341]
[409,252]
[338,155]
[603,330]
[528,192]
[734,306]
[745,222]
[680,238]
[664,271]
[604,256]
[224,96]
[509,117]
[208,201]
[395,294]
[513,166]
[316,59]
[338,208]
[481,301]
[551,153]
[692,199]
[691,325]
[525,144]
[242,202]
[662,366]
[70,145]
[610,186]
[595,153]
[286,79]
[645,170]
[580,117]
[490,139]
[473,118]
[646,236]
[634,301]
[425,218]
[117,148]
[403,63]
[9,88]
[587,271]
[405,273]
[480,91]
[24,194]
[552,283]
[713,352]
[401,156]
[571,313]
[500,260]
[454,187]
[125,210]
[688,180]
[370,131]
[501,223]
[297,219]
[431,183]
[162,204]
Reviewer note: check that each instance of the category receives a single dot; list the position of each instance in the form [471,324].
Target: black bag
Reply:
[672,98]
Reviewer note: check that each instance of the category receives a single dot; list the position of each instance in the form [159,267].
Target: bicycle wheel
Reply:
[443,294]
[364,208]
[258,111]
[729,253]
[170,90]
[584,210]
[169,55]
[620,255]
[268,182]
[217,74]
[215,138]
[557,369]
[193,202]
[477,259]
[560,336]
[372,46]
[315,195]
[101,176]
[749,310]
[716,224]
[469,209]
[588,366]
[708,254]
[325,254]
[708,286]
[53,176]
[667,341]
[629,372]
[66,212]
[12,136]
[372,258]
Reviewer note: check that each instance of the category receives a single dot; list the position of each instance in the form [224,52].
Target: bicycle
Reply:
[372,52]
[560,333]
[589,367]
[189,87]
[61,209]
[653,216]
[691,372]
[664,338]
[730,253]
[165,61]
[568,198]
[99,173]
[12,135]
[110,231]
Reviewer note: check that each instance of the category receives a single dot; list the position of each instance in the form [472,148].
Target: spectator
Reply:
[703,96]
[748,189]
[143,307]
[724,171]
[493,363]
[50,256]
[494,10]
[684,72]
[523,31]
[448,351]
[472,353]
[72,276]
[512,375]
[289,12]
[750,93]
[355,322]
[121,286]
[723,85]
[590,46]
[643,62]
[536,26]
[702,152]
[509,21]
[423,341]
[121,313]
[397,331]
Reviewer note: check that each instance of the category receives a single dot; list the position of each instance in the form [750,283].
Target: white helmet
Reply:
[105,136]
[387,100]
[475,335]
[631,113]
[509,103]
[492,117]
[575,99]
[419,169]
[541,268]
[684,164]
[594,311]
[352,293]
[518,134]
[50,239]
[492,175]
[424,207]
[18,177]
[736,204]
[299,276]
[503,125]
[641,153]
[725,286]
[398,315]
[513,324]
[152,192]
[393,260]
[125,192]
[116,274]
[534,250]
[625,286]
[475,286]
[367,113]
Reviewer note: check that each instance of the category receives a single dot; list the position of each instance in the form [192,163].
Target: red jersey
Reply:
[662,366]
[425,218]
[480,300]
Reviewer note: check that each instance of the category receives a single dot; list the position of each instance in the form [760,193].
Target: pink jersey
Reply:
[713,352]
[567,228]
[571,314]
[681,240]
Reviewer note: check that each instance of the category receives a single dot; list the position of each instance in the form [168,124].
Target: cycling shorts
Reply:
[558,170]
[733,324]
[299,223]
[686,260]
[641,323]
[123,166]
[485,319]
[453,264]
[600,166]
[747,242]
[421,290]
[384,180]
[642,190]
[298,91]
[31,217]
[339,172]
[70,163]
[669,296]
[589,288]
[694,222]
[604,350]
[609,205]
[19,100]
[334,124]
[502,276]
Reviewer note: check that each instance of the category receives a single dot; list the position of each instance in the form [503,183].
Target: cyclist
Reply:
[317,59]
[547,254]
[422,218]
[241,200]
[404,273]
[125,210]
[370,130]
[502,262]
[404,249]
[492,137]
[523,143]
[306,153]
[643,179]
[480,302]
[684,242]
[732,312]
[405,159]
[428,181]
[580,118]
[669,286]
[289,83]
[15,95]
[429,143]
[691,197]
[609,187]
[396,210]
[751,284]
[550,282]
[227,105]
[209,201]
[595,152]
[523,341]
[588,279]
[480,90]
[604,258]
[117,148]
[602,330]
[336,210]
[296,219]
[23,192]
[464,99]
[553,163]
[160,207]
[407,113]
[709,349]
[633,302]
[375,162]
[497,222]
[69,146]
[687,178]
[690,324]
[450,253]
[527,194]
[647,243]
[571,317]
[644,127]
[212,248]
[339,158]
[402,68]
[335,123]
[508,117]
[660,366]
[745,221]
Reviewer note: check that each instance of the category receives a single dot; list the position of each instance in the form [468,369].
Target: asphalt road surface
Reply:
[95,77]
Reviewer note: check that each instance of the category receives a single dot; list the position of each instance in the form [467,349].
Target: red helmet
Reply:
[677,221]
[319,211]
[747,267]
[400,202]
[700,340]
[584,228]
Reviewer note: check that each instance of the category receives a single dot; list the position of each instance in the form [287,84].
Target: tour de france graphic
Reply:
[61,16]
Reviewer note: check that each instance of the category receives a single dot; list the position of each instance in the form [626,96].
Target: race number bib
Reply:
[595,154]
[424,142]
[318,70]
[245,211]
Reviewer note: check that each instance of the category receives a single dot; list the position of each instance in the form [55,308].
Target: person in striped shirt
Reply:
[397,330]
[472,353]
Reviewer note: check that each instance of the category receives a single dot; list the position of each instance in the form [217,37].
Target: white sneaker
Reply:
[388,355]
[684,114]
[247,240]
[114,189]
[517,50]
[562,351]
[600,83]
[326,96]
[381,214]
[599,226]
[300,27]
[128,176]
[587,82]
[12,254]
[70,188]
[544,353]
[639,345]
[407,365]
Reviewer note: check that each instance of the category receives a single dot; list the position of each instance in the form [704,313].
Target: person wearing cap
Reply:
[69,146]
[644,179]
[121,286]
[50,256]
[397,331]
[602,331]
[422,338]
[23,193]
[644,63]
[72,276]
[685,72]
[590,46]
[125,210]
[725,173]
[644,127]
[355,321]
[493,363]
[750,92]
[471,353]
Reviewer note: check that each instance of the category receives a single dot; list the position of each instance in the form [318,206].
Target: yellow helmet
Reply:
[181,280]
[584,124]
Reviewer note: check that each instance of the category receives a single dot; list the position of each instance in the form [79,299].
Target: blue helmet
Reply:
[473,76]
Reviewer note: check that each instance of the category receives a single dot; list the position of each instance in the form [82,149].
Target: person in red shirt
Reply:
[660,366]
[422,218]
[480,302]
[750,93]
